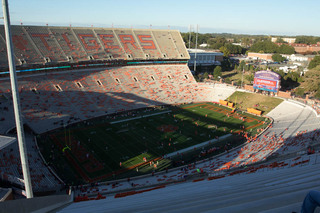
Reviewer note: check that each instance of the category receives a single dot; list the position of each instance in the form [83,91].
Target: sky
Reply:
[268,17]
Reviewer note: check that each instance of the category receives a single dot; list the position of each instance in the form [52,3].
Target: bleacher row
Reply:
[275,189]
[51,100]
[249,159]
[10,168]
[40,45]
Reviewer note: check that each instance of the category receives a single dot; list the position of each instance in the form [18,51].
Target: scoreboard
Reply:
[267,80]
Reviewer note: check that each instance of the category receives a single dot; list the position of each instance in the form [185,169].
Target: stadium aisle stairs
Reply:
[266,191]
[222,92]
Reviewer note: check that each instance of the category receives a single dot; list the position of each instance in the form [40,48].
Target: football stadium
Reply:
[114,121]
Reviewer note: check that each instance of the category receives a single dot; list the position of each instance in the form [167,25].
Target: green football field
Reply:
[104,148]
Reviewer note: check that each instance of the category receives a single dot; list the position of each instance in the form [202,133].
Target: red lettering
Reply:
[127,39]
[92,41]
[42,37]
[150,43]
[106,42]
[65,37]
[19,42]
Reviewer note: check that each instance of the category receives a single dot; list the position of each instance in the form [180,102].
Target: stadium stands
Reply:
[69,44]
[6,115]
[10,167]
[49,45]
[25,50]
[46,43]
[280,192]
[51,99]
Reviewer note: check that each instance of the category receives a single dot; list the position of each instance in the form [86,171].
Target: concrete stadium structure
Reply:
[134,69]
[58,86]
[52,45]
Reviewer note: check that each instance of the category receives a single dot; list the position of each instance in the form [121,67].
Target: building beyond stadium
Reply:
[204,58]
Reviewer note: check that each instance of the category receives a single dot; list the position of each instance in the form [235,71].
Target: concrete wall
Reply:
[284,94]
[249,87]
[265,56]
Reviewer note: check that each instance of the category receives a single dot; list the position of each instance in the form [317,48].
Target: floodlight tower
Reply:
[16,102]
[196,49]
[190,30]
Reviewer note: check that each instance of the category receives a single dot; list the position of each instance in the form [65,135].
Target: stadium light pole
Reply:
[190,27]
[195,53]
[242,78]
[16,102]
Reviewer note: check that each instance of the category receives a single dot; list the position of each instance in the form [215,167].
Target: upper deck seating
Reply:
[110,43]
[130,43]
[3,55]
[23,47]
[177,40]
[42,45]
[46,43]
[69,44]
[166,44]
[90,43]
[148,44]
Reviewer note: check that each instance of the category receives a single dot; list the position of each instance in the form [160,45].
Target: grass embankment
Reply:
[244,100]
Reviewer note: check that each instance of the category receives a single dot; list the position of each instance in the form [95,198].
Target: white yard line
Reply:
[143,116]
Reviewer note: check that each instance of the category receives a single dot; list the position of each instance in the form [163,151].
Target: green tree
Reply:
[281,73]
[277,57]
[217,43]
[311,81]
[293,76]
[299,92]
[286,49]
[317,95]
[227,80]
[226,64]
[280,40]
[242,65]
[196,78]
[233,49]
[217,72]
[245,42]
[314,62]
[265,47]
[205,75]
[251,67]
[250,77]
[225,51]
[306,39]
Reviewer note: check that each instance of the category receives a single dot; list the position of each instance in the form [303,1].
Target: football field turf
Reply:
[106,147]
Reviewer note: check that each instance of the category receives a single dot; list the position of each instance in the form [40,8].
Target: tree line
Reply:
[270,47]
[225,43]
